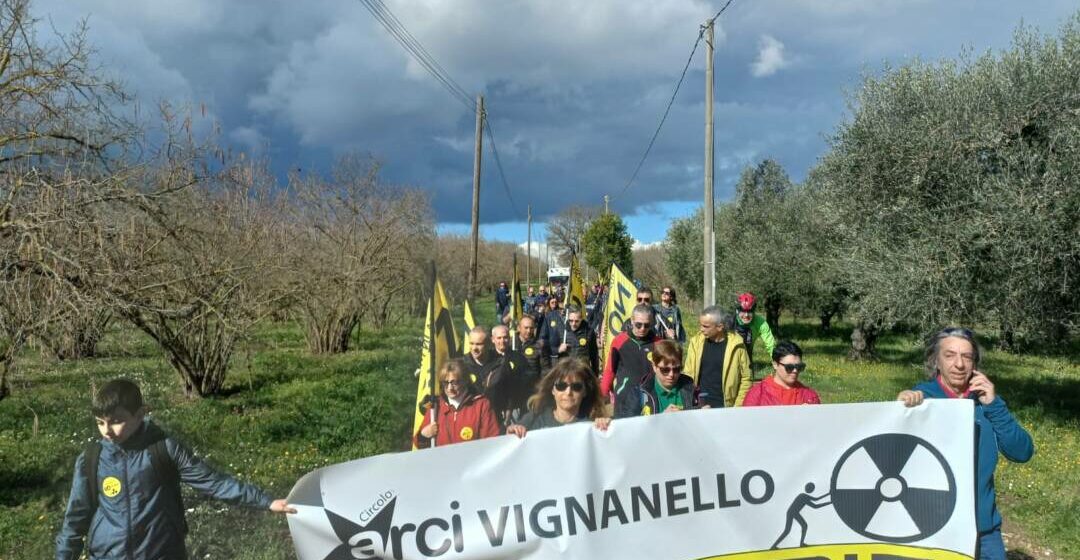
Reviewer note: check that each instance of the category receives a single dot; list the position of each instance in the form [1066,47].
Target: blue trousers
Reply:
[991,547]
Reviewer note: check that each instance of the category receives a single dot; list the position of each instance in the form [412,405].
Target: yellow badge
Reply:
[529,351]
[649,356]
[473,377]
[646,410]
[512,366]
[466,433]
[582,342]
[110,486]
[553,323]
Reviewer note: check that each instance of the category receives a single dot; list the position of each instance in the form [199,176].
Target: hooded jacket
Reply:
[472,419]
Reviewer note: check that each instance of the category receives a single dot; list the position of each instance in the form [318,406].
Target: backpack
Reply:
[160,460]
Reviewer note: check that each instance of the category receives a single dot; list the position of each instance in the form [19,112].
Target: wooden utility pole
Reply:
[471,291]
[606,197]
[528,244]
[709,296]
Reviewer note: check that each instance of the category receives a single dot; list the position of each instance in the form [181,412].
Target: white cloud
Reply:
[770,57]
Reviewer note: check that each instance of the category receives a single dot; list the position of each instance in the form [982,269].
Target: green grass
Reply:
[285,413]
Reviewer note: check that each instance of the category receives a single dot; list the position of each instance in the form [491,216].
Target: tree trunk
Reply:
[1007,338]
[79,338]
[863,342]
[773,306]
[826,321]
[328,333]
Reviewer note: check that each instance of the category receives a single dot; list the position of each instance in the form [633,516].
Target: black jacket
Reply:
[641,399]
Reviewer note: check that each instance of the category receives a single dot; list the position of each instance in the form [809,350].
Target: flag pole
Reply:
[432,381]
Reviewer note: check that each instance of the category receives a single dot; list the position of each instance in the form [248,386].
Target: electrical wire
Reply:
[667,110]
[498,164]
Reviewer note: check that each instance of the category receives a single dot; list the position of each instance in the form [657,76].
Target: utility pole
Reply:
[709,296]
[606,198]
[471,291]
[528,245]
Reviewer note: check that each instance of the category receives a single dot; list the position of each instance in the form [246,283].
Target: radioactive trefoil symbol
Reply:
[895,488]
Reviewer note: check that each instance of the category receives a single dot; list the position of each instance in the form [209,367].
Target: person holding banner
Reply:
[669,317]
[952,366]
[627,361]
[576,340]
[567,394]
[461,412]
[666,390]
[716,359]
[783,386]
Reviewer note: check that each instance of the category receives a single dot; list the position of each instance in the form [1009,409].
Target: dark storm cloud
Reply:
[574,90]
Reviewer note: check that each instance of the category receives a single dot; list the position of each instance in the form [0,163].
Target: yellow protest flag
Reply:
[618,305]
[470,322]
[575,291]
[440,345]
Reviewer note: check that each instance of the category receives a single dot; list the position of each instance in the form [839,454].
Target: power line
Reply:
[498,164]
[663,118]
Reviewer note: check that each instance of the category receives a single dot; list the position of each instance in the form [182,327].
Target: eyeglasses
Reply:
[668,370]
[644,299]
[637,325]
[793,368]
[454,382]
[576,386]
[666,292]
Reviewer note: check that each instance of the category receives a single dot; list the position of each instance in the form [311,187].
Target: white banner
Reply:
[846,481]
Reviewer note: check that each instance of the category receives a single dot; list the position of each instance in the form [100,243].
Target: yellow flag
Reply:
[575,291]
[618,306]
[440,345]
[470,322]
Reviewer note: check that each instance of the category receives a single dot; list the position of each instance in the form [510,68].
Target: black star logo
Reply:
[361,541]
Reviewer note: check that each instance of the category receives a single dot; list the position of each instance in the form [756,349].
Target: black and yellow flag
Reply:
[440,345]
[618,305]
[515,305]
[470,322]
[575,290]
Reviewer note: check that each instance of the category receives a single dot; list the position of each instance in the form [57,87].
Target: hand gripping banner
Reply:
[869,481]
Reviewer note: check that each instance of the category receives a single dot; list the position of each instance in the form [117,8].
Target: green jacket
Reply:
[736,375]
[758,328]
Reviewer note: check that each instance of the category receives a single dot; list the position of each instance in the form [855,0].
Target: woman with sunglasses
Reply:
[666,390]
[952,369]
[669,317]
[567,394]
[462,413]
[783,386]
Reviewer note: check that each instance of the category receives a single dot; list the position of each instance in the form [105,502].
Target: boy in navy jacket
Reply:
[125,497]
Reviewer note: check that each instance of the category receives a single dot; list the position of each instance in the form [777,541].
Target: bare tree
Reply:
[566,230]
[357,245]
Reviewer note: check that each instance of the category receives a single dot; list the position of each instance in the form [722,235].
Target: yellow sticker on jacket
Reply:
[110,486]
[553,323]
[646,410]
[582,342]
[529,351]
[466,433]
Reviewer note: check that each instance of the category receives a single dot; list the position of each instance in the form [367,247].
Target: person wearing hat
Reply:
[751,326]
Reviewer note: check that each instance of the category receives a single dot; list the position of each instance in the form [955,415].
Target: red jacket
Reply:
[474,419]
[627,363]
[769,393]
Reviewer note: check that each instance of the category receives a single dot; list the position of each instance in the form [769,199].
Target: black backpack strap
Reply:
[91,458]
[169,476]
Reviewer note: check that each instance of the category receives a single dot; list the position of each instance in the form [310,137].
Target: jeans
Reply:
[991,547]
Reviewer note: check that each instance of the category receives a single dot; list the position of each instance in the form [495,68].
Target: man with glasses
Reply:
[717,361]
[575,339]
[628,358]
[666,390]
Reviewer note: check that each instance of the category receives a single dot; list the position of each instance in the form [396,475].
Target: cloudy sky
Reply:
[574,90]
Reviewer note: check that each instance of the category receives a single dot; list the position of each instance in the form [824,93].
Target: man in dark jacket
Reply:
[125,496]
[508,385]
[551,320]
[574,338]
[531,348]
[627,361]
[502,300]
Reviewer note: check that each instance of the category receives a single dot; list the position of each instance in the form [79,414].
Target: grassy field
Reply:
[285,413]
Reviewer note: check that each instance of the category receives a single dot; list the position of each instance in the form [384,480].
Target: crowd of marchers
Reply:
[547,372]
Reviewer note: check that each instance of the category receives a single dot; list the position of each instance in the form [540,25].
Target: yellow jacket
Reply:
[736,376]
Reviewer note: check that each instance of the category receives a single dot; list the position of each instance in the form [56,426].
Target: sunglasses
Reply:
[668,370]
[794,368]
[454,382]
[666,293]
[644,299]
[576,386]
[640,325]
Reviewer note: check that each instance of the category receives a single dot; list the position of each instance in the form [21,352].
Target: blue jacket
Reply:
[995,430]
[140,519]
